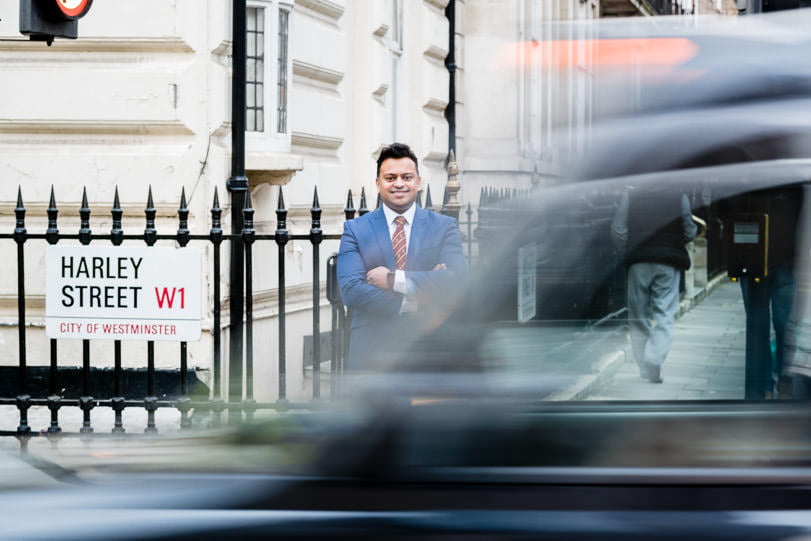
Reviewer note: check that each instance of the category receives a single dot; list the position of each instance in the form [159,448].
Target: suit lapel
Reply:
[381,233]
[418,231]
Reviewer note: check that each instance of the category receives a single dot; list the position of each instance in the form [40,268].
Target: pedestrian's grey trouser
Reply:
[653,299]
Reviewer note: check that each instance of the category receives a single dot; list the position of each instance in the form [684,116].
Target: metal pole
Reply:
[450,64]
[237,187]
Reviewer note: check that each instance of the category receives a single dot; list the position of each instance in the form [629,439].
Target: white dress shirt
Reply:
[401,285]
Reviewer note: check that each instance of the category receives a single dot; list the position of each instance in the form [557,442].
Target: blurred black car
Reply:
[460,438]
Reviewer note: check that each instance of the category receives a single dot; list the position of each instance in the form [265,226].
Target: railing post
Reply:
[282,237]
[20,236]
[215,236]
[54,399]
[183,240]
[315,240]
[248,238]
[86,401]
[118,401]
[150,402]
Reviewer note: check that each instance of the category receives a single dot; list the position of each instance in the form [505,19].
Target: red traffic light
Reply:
[44,20]
[68,10]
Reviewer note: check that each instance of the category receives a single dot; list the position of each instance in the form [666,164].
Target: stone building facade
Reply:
[142,101]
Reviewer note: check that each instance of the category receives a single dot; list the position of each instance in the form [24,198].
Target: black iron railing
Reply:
[64,390]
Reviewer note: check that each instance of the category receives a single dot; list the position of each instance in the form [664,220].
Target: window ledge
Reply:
[271,167]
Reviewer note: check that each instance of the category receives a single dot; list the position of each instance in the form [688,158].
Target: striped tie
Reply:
[398,242]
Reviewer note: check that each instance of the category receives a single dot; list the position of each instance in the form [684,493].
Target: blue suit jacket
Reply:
[378,329]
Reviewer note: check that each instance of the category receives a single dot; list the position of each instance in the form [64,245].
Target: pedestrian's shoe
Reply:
[643,370]
[653,373]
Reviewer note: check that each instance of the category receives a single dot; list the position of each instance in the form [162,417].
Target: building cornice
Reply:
[434,105]
[101,45]
[316,142]
[436,53]
[317,73]
[438,4]
[94,127]
[324,7]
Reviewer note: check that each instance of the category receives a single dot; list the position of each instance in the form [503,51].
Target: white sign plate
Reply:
[123,293]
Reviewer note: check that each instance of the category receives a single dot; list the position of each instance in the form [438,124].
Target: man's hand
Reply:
[378,277]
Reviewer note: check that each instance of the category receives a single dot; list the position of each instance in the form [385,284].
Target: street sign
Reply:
[123,293]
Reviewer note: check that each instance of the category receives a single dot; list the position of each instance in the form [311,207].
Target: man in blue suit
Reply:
[395,297]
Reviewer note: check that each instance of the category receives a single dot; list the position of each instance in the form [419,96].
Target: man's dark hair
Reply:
[397,151]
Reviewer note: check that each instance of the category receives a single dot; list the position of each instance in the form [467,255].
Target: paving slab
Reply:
[706,359]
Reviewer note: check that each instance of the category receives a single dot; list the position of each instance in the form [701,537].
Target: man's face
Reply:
[398,183]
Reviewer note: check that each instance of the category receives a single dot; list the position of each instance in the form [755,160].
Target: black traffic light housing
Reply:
[44,20]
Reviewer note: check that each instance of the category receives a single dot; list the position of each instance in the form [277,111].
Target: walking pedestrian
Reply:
[653,225]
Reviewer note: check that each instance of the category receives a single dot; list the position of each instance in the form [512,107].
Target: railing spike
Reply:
[52,233]
[84,218]
[216,215]
[281,206]
[315,220]
[363,208]
[349,210]
[183,219]
[428,203]
[150,233]
[116,232]
[19,214]
[247,218]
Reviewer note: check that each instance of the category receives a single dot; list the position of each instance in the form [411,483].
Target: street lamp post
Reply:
[237,188]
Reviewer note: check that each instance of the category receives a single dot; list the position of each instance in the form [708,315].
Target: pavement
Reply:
[705,362]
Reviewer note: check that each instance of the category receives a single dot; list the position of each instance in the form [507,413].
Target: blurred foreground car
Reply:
[466,434]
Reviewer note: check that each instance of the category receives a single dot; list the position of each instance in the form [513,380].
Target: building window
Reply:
[281,96]
[267,82]
[255,72]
